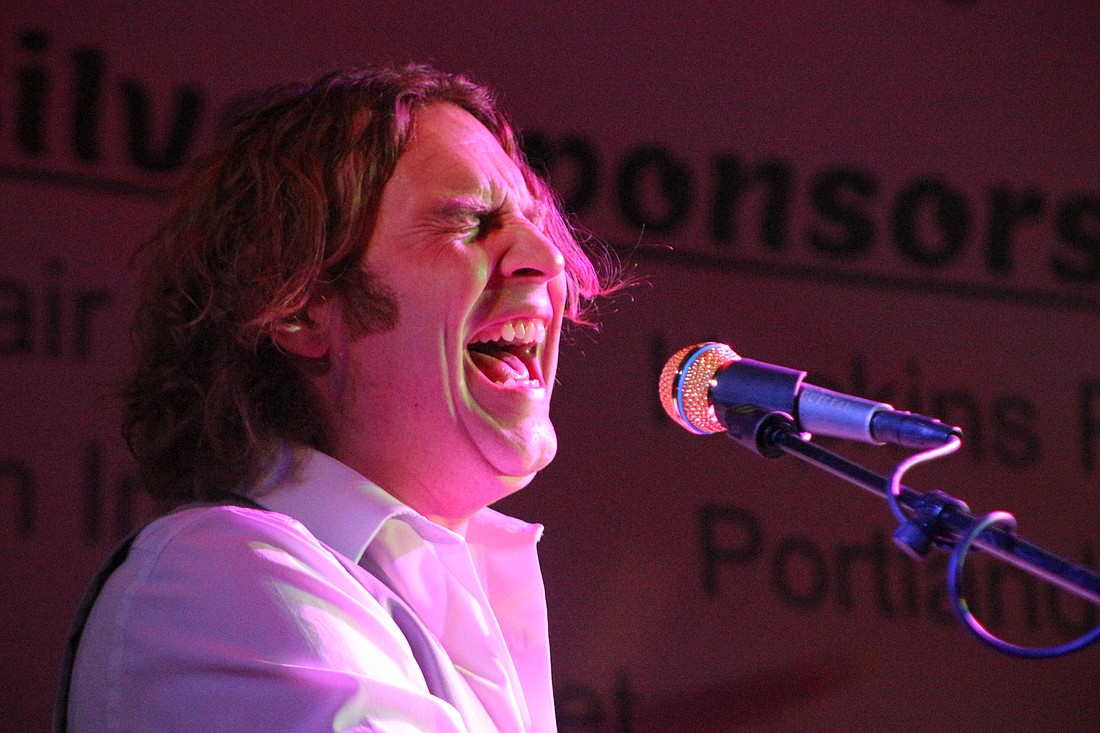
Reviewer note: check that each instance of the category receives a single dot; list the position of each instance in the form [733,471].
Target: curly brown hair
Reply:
[278,215]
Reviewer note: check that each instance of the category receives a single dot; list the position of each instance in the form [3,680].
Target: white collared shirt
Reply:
[237,619]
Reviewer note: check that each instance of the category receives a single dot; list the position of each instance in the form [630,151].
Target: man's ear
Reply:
[309,334]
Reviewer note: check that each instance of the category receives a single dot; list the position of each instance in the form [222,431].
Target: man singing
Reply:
[348,339]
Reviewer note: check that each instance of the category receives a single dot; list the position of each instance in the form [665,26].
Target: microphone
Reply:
[699,382]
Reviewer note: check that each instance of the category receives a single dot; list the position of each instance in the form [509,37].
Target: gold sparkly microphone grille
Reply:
[685,385]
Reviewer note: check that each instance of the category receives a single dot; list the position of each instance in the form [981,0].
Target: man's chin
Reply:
[517,461]
[512,484]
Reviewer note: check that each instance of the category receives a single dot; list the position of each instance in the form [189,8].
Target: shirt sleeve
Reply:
[234,619]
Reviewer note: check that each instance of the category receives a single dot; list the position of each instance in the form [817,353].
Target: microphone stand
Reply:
[932,519]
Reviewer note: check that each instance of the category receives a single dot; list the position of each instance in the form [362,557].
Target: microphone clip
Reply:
[756,428]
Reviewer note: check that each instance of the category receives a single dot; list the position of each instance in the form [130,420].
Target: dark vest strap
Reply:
[84,610]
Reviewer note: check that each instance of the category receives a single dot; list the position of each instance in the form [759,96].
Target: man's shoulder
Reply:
[247,592]
[215,527]
[224,542]
[224,564]
[224,521]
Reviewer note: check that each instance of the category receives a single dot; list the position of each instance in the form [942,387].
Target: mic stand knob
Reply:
[924,529]
[757,429]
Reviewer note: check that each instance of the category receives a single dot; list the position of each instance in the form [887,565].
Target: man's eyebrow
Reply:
[457,207]
[461,207]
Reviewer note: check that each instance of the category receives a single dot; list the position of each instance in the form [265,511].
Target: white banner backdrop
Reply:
[900,197]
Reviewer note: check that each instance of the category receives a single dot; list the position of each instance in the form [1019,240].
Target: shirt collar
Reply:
[345,510]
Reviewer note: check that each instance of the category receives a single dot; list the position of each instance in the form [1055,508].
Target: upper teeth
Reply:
[519,330]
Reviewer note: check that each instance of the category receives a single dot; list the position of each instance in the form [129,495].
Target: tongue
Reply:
[501,366]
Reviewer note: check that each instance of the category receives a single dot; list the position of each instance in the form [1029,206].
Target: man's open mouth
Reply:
[507,354]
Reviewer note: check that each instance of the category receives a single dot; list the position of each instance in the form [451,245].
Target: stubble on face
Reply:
[367,304]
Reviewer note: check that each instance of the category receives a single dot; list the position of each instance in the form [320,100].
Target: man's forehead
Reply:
[455,150]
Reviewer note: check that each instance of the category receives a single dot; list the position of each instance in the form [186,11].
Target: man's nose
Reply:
[531,253]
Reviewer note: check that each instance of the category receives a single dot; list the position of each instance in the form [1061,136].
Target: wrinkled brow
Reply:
[459,207]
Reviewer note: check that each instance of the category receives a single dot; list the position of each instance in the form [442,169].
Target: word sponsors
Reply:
[769,210]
